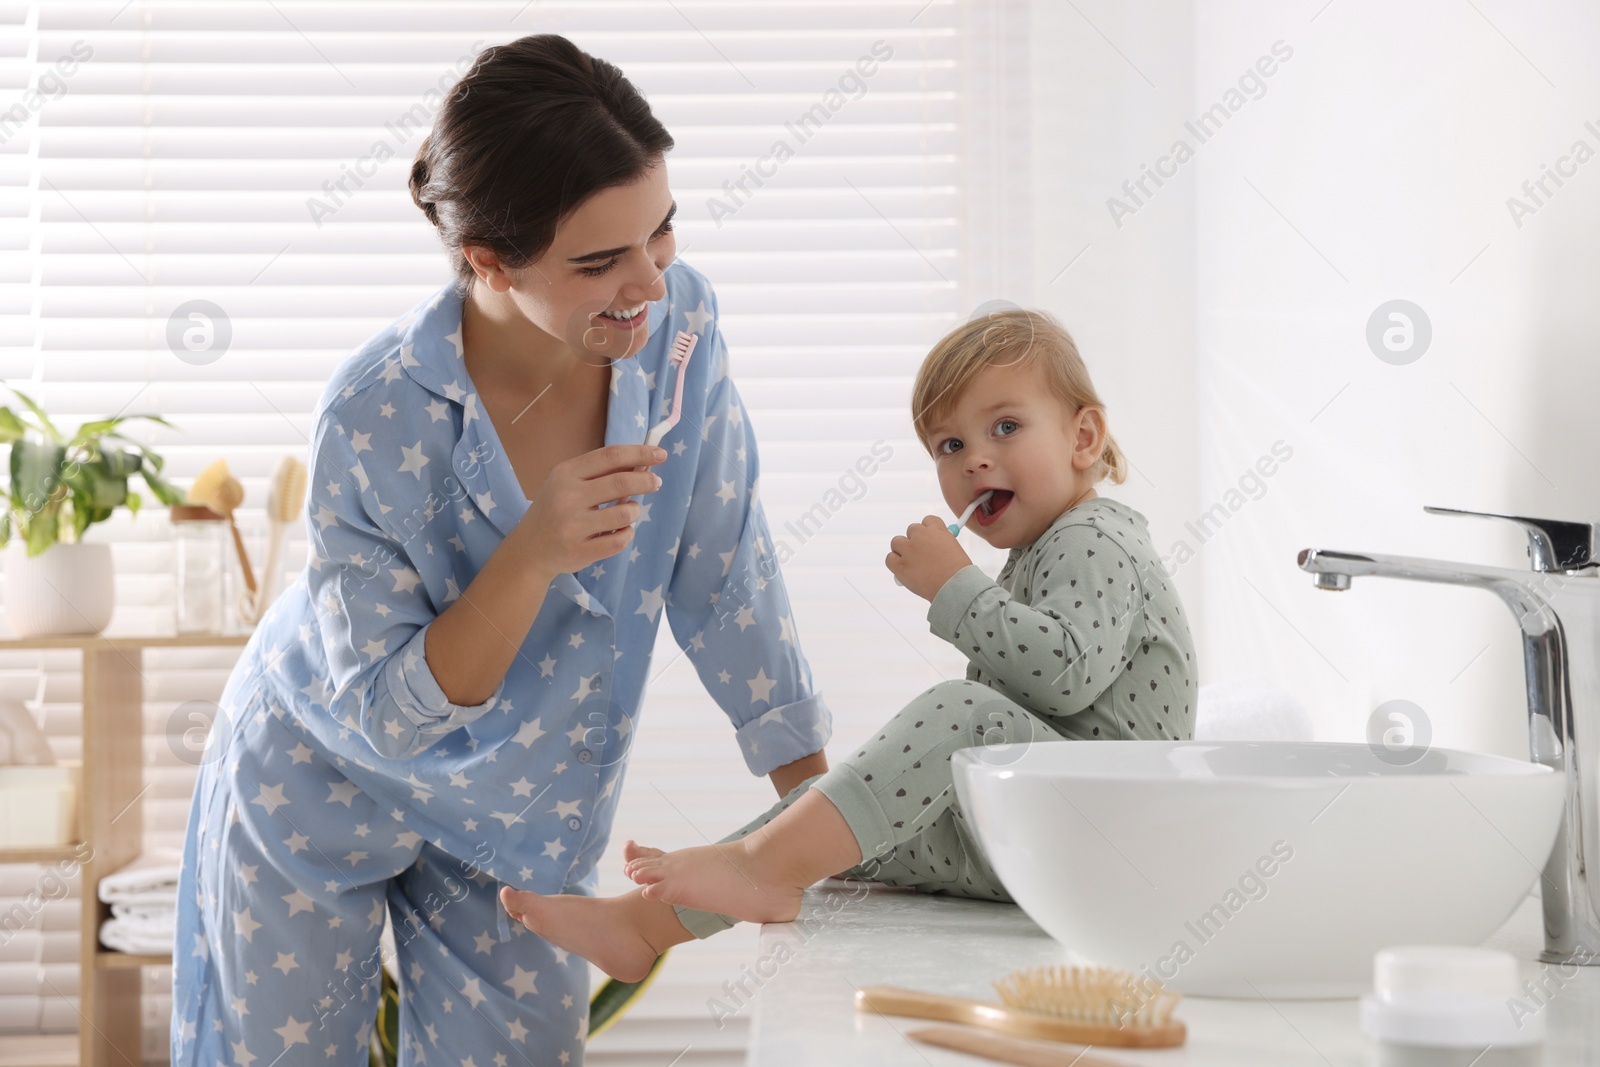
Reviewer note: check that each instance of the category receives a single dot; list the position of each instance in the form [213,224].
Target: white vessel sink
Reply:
[1257,869]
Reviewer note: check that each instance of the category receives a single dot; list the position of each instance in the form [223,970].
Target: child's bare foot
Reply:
[723,877]
[632,850]
[760,877]
[620,935]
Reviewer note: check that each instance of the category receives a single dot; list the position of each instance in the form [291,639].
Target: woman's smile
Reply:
[639,315]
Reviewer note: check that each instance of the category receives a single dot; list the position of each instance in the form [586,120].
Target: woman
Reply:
[445,699]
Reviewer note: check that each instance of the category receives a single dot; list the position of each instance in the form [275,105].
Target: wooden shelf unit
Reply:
[38,855]
[111,820]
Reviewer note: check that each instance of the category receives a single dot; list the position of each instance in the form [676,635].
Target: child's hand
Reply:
[926,557]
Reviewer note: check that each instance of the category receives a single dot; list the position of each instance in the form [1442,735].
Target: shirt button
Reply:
[573,822]
[584,755]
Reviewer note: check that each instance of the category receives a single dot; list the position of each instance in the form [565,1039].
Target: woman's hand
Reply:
[565,529]
[926,556]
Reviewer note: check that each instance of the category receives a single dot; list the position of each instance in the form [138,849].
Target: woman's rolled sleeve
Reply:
[785,734]
[408,683]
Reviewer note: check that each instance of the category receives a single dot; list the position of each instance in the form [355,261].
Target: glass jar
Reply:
[201,576]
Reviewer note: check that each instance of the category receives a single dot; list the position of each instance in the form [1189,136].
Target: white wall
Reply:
[1111,84]
[1378,166]
[1227,312]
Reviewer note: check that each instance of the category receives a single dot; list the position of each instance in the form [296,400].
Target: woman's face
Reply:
[608,256]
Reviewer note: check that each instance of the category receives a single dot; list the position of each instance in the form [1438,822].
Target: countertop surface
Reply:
[800,990]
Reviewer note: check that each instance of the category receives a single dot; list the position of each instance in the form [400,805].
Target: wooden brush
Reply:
[221,492]
[1010,1049]
[1086,1005]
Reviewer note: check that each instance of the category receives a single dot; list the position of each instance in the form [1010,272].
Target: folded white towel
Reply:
[140,935]
[152,878]
[1249,709]
[158,921]
[163,912]
[162,899]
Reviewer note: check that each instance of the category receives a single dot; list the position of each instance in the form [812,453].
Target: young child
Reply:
[1081,636]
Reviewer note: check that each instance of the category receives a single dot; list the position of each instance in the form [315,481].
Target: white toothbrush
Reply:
[955,527]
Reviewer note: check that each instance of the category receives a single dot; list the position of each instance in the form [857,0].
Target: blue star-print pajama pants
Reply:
[290,949]
[899,798]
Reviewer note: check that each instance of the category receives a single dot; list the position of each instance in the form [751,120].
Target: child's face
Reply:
[1010,431]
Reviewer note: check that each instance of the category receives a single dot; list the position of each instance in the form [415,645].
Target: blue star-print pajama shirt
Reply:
[340,784]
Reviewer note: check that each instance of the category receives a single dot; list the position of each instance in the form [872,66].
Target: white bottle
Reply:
[21,740]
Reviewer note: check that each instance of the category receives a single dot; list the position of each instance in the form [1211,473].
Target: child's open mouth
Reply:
[989,511]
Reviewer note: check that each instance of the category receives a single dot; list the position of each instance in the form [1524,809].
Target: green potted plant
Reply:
[56,583]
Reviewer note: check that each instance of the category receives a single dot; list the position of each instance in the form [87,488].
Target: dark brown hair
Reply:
[530,132]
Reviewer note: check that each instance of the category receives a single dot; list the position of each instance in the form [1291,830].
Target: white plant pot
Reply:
[66,589]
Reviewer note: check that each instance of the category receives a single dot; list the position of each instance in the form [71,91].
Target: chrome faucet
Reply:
[1557,607]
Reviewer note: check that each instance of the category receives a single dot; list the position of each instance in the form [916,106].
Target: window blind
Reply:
[254,156]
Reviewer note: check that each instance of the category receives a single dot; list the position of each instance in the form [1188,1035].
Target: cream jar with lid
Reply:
[1449,1006]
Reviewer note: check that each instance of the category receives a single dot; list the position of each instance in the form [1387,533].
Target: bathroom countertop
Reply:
[799,991]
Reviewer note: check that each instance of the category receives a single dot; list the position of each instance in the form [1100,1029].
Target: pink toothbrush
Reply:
[682,349]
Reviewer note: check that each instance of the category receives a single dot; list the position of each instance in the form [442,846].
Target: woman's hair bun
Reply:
[531,131]
[418,182]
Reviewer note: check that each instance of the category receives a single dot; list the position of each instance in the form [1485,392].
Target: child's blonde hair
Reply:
[1003,337]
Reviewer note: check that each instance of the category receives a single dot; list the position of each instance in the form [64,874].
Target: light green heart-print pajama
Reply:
[1080,637]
